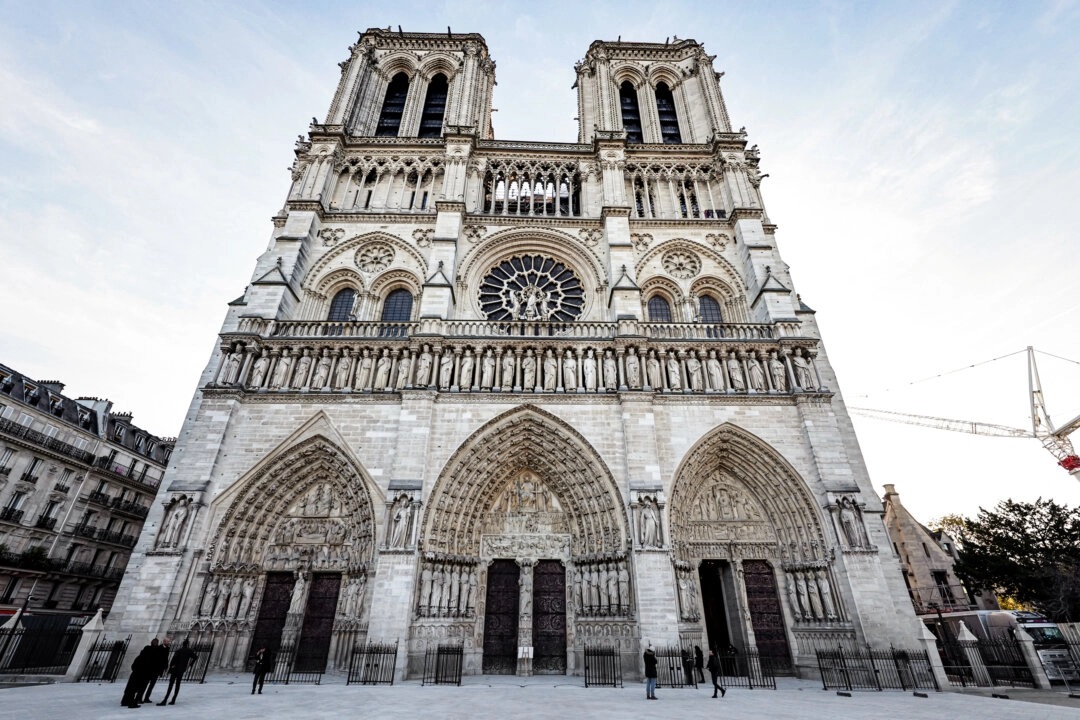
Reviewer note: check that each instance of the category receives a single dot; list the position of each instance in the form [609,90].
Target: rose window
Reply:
[682,264]
[531,287]
[374,257]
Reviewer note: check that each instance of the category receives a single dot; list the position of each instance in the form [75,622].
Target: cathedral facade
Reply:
[521,396]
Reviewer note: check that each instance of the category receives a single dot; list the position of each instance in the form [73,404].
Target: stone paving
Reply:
[483,698]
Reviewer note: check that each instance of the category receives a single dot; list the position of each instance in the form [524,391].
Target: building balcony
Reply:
[99,498]
[129,507]
[94,571]
[117,538]
[5,471]
[86,531]
[11,515]
[45,523]
[61,488]
[13,429]
[944,598]
[125,473]
[27,477]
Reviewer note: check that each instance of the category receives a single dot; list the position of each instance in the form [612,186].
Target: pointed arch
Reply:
[304,488]
[766,493]
[525,438]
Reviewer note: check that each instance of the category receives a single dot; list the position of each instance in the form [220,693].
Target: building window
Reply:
[659,309]
[431,121]
[669,121]
[341,306]
[941,579]
[631,115]
[531,288]
[710,310]
[397,307]
[5,458]
[25,420]
[393,106]
[9,591]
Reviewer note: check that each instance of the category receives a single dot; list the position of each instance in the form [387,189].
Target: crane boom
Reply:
[964,426]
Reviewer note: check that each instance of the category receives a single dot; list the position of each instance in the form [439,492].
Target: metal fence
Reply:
[603,666]
[675,667]
[42,651]
[746,669]
[442,665]
[288,658]
[1005,662]
[104,660]
[372,664]
[870,669]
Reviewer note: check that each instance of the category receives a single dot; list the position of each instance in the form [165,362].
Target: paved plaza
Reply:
[482,698]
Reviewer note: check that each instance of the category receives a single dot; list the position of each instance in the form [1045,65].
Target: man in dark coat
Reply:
[650,673]
[157,667]
[140,671]
[261,667]
[699,663]
[181,661]
[714,670]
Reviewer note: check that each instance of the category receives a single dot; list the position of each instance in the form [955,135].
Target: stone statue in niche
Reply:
[776,372]
[232,367]
[674,372]
[611,373]
[487,371]
[803,376]
[652,366]
[649,519]
[341,375]
[382,371]
[757,375]
[793,597]
[528,370]
[715,372]
[508,370]
[423,368]
[446,370]
[466,379]
[735,374]
[851,523]
[588,370]
[633,369]
[693,372]
[322,370]
[826,594]
[303,366]
[248,593]
[299,593]
[551,371]
[209,599]
[401,515]
[403,368]
[569,367]
[363,375]
[172,526]
[258,371]
[281,371]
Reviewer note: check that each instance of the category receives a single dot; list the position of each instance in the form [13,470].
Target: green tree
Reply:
[1027,551]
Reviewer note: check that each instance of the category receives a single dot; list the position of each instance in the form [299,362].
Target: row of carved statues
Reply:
[447,589]
[385,368]
[228,597]
[810,595]
[601,588]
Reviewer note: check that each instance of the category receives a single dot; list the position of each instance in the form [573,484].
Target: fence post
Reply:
[929,641]
[970,645]
[91,633]
[1031,657]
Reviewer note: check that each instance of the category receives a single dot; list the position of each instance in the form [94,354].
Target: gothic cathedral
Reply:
[525,397]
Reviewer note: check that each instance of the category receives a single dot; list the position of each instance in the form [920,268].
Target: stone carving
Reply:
[281,371]
[382,372]
[693,372]
[611,371]
[588,370]
[569,364]
[649,523]
[847,514]
[633,369]
[446,370]
[735,373]
[803,376]
[447,588]
[551,371]
[341,375]
[473,233]
[528,371]
[322,370]
[487,370]
[674,372]
[258,371]
[423,368]
[299,593]
[423,237]
[591,237]
[681,264]
[303,367]
[600,587]
[330,236]
[403,368]
[718,241]
[374,257]
[466,380]
[652,366]
[756,374]
[401,514]
[507,371]
[777,373]
[641,241]
[231,371]
[173,523]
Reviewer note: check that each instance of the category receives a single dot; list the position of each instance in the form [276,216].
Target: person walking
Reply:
[650,673]
[181,661]
[699,663]
[262,666]
[140,672]
[159,663]
[714,671]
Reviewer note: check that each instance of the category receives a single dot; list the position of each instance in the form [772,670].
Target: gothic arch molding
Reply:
[309,501]
[342,255]
[770,504]
[525,438]
[724,269]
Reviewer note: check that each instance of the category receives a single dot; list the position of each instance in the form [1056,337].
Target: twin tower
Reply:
[518,396]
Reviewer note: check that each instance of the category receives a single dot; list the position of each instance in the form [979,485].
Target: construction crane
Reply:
[1054,439]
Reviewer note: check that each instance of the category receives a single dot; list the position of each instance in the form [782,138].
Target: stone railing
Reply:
[744,359]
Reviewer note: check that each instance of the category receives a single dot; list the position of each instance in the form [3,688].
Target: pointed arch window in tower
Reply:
[431,121]
[669,120]
[631,114]
[659,310]
[341,306]
[398,306]
[393,106]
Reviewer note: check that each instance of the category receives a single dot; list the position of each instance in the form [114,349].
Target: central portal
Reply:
[501,618]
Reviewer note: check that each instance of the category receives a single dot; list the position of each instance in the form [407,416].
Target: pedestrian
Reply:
[650,673]
[181,661]
[262,666]
[159,663]
[699,663]
[714,671]
[140,672]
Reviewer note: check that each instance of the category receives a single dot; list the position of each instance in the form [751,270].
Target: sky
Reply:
[923,164]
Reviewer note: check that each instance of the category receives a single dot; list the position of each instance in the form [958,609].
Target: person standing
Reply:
[159,663]
[650,673]
[140,671]
[262,666]
[699,663]
[181,661]
[714,671]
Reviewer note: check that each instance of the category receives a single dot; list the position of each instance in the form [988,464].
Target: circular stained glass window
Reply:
[531,288]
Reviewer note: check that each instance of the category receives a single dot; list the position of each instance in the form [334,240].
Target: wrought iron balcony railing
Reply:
[21,431]
[11,515]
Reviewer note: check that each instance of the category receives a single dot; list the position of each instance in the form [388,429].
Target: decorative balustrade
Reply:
[11,515]
[129,507]
[746,359]
[45,523]
[42,440]
[99,497]
[27,477]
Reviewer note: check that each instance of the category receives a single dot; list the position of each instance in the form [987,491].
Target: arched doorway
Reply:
[748,532]
[288,566]
[529,520]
